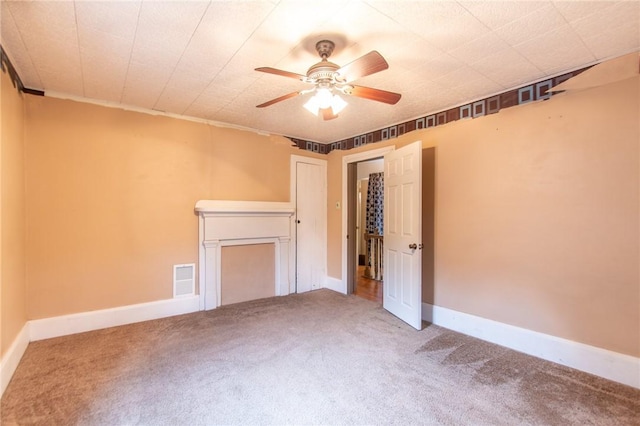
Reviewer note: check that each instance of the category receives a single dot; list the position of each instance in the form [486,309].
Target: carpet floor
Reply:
[313,358]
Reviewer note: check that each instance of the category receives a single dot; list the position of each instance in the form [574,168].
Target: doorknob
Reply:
[413,246]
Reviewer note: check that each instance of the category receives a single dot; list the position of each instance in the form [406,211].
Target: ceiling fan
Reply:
[329,78]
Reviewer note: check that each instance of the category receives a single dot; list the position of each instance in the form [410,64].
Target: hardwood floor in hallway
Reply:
[367,288]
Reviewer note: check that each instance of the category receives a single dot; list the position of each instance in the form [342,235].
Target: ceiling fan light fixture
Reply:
[312,105]
[337,104]
[321,101]
[324,97]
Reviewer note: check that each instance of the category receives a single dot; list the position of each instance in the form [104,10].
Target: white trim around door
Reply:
[353,158]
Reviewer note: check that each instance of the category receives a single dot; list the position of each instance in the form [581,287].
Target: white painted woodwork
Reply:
[611,365]
[224,223]
[310,205]
[12,356]
[402,227]
[310,198]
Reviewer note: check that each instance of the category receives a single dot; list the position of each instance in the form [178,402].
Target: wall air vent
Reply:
[184,278]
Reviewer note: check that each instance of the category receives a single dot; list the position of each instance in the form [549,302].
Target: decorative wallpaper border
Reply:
[7,67]
[491,105]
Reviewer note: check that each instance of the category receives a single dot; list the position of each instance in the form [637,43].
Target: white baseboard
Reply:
[335,284]
[12,357]
[610,365]
[94,320]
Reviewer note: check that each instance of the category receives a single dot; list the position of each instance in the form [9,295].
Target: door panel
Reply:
[406,280]
[390,282]
[310,205]
[402,218]
[392,218]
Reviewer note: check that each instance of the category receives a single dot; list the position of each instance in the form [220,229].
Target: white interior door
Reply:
[311,209]
[402,234]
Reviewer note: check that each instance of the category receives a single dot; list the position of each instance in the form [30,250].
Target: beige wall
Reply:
[12,213]
[111,193]
[537,216]
[428,223]
[334,216]
[537,222]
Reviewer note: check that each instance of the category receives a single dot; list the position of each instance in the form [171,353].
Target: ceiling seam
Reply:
[564,18]
[227,63]
[494,31]
[35,69]
[491,31]
[133,44]
[75,18]
[181,56]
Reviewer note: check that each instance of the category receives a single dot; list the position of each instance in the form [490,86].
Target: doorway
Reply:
[350,215]
[368,280]
[404,211]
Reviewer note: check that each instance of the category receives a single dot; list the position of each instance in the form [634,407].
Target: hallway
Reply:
[367,288]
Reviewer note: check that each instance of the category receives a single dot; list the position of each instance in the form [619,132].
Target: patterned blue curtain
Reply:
[375,201]
[375,213]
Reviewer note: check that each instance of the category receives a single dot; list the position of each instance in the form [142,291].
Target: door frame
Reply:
[293,177]
[353,158]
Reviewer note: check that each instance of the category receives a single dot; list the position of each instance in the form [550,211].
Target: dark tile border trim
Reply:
[537,91]
[7,66]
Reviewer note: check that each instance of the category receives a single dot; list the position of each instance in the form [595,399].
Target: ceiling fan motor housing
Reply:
[324,70]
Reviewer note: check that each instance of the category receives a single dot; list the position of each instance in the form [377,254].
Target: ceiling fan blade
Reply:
[327,114]
[276,100]
[368,64]
[276,71]
[375,94]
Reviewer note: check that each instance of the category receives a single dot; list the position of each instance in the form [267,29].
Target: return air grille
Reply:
[184,279]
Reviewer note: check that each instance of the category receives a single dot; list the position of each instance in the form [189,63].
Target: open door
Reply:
[403,234]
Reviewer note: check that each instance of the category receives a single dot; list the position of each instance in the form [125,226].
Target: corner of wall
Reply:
[335,284]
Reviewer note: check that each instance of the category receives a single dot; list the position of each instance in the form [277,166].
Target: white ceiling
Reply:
[197,58]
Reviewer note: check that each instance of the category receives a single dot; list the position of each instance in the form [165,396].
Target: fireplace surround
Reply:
[227,223]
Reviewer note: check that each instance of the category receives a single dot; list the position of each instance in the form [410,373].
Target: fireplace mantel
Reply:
[224,223]
[225,207]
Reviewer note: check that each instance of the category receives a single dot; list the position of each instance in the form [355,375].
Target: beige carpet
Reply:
[315,358]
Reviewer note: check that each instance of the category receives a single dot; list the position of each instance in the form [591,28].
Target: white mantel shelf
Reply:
[226,206]
[225,223]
